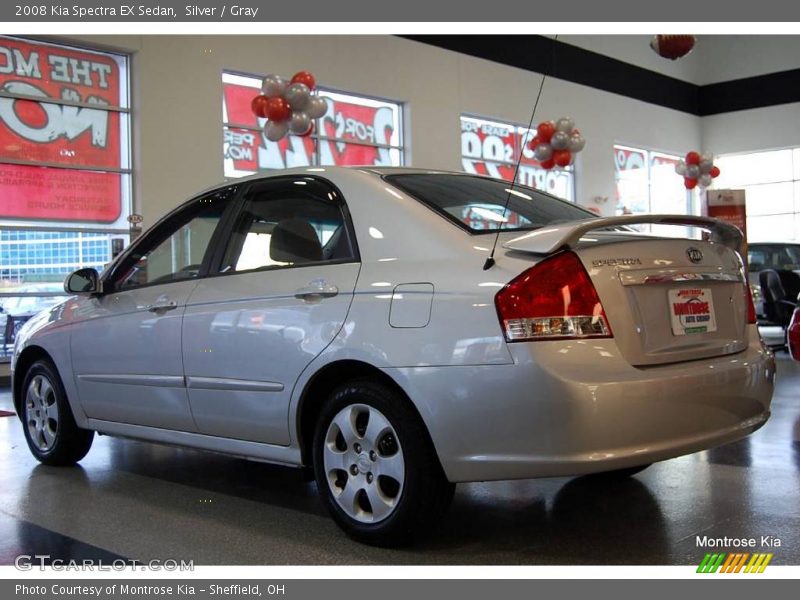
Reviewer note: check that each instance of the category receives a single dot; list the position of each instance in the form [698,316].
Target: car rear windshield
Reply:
[476,203]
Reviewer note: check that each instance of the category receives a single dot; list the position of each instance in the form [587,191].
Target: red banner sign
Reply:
[493,149]
[359,129]
[41,131]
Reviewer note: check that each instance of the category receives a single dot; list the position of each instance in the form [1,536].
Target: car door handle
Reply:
[316,290]
[162,304]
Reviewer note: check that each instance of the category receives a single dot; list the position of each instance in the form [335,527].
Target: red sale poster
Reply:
[73,135]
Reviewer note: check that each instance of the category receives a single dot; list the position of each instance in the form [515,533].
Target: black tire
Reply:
[618,474]
[67,443]
[425,493]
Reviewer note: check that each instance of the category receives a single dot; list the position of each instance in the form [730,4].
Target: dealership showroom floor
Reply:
[141,501]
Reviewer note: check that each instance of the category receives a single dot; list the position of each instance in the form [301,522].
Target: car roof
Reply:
[375,171]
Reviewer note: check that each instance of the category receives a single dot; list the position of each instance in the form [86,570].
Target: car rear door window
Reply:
[288,222]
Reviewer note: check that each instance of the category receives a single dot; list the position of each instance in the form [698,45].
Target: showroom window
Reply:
[647,183]
[493,148]
[771,181]
[65,169]
[356,130]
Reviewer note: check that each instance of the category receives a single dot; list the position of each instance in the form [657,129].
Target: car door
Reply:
[282,288]
[126,349]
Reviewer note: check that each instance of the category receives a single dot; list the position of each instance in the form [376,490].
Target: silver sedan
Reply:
[350,321]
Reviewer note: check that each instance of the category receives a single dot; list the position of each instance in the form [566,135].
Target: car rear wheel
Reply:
[617,474]
[375,466]
[50,429]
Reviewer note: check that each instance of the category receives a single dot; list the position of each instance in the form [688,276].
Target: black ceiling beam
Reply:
[541,54]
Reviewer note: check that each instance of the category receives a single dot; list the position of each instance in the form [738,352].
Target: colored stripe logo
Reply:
[734,563]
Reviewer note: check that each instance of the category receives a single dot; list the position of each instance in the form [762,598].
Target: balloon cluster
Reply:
[288,106]
[697,169]
[556,143]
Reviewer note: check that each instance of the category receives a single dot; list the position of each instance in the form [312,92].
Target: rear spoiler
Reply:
[550,239]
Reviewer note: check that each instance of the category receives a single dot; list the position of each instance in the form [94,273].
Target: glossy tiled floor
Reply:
[142,501]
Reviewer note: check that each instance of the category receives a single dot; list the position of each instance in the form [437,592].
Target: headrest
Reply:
[295,241]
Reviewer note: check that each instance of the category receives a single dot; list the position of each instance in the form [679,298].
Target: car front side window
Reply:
[177,249]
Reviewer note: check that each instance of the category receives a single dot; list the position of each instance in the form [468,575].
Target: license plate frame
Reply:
[691,311]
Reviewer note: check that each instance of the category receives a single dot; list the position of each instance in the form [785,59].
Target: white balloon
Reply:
[297,95]
[300,122]
[565,124]
[705,180]
[273,85]
[680,168]
[692,171]
[317,107]
[276,130]
[706,162]
[542,152]
[576,143]
[560,140]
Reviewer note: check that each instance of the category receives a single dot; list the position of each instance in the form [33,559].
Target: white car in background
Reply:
[343,320]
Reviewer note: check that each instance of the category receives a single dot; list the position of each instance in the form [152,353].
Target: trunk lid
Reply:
[666,300]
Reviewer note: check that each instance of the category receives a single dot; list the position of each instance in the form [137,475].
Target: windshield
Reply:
[476,203]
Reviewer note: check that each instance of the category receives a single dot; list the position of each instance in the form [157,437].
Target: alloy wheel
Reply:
[364,463]
[41,411]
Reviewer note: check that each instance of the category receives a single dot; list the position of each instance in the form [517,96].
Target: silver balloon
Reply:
[705,180]
[273,85]
[542,152]
[297,95]
[300,122]
[692,171]
[276,130]
[706,162]
[576,143]
[680,168]
[560,140]
[317,107]
[566,124]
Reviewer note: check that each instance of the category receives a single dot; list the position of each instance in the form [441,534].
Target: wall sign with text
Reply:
[54,123]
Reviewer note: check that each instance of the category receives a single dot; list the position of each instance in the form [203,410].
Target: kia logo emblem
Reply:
[694,254]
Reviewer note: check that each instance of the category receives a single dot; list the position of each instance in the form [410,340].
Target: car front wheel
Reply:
[375,466]
[50,429]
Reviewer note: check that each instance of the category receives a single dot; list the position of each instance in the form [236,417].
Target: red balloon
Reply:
[278,109]
[714,171]
[548,164]
[672,46]
[304,77]
[689,183]
[259,105]
[562,157]
[545,130]
[692,158]
[535,141]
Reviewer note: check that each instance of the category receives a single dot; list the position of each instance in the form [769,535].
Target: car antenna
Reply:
[490,259]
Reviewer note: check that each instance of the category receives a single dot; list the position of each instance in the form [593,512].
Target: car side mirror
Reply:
[83,282]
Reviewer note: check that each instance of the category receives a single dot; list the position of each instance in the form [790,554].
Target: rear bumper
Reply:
[577,407]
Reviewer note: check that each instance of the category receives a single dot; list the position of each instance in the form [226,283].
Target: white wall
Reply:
[178,94]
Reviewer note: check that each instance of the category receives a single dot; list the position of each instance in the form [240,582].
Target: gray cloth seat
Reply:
[295,241]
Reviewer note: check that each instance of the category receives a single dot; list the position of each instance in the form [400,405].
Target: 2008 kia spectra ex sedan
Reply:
[348,320]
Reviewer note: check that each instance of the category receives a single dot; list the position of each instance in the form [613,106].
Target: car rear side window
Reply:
[476,203]
[286,223]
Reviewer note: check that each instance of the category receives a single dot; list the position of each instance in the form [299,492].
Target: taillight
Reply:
[751,307]
[553,300]
[793,335]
